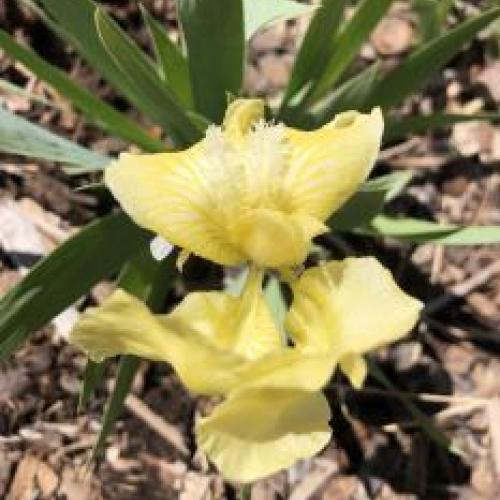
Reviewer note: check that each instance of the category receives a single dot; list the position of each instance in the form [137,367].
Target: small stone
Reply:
[47,480]
[275,70]
[483,305]
[490,77]
[456,186]
[472,138]
[392,36]
[267,40]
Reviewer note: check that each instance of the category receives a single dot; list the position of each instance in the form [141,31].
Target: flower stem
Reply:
[246,492]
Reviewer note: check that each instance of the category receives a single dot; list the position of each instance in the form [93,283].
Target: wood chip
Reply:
[310,485]
[19,237]
[47,480]
[23,486]
[493,412]
[392,36]
[196,487]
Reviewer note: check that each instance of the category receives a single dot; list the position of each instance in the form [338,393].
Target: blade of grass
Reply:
[92,376]
[429,19]
[172,64]
[154,96]
[347,45]
[96,110]
[74,20]
[96,252]
[412,74]
[369,201]
[316,47]
[214,36]
[421,231]
[399,128]
[19,136]
[352,94]
[432,16]
[425,423]
[127,368]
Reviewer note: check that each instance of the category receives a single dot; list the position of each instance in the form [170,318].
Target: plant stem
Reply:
[246,492]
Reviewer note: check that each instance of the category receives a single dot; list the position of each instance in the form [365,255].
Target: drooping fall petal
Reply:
[124,325]
[181,196]
[209,338]
[241,325]
[260,431]
[350,307]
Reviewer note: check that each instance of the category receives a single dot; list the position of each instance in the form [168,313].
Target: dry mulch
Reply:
[449,367]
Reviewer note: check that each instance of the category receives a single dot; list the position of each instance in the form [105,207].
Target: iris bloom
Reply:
[248,185]
[273,411]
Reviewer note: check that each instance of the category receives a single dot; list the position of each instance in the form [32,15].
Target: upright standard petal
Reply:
[241,115]
[260,431]
[328,165]
[350,307]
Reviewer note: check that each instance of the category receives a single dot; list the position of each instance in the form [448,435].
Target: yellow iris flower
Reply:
[229,346]
[249,184]
[256,192]
[273,413]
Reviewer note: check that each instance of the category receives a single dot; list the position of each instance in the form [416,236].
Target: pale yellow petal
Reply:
[289,368]
[124,325]
[350,307]
[241,114]
[180,196]
[275,239]
[258,432]
[242,325]
[328,165]
[354,367]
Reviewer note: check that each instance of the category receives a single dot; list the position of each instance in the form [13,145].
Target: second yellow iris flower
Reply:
[274,412]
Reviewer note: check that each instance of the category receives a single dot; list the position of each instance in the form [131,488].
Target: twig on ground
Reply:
[167,431]
[462,289]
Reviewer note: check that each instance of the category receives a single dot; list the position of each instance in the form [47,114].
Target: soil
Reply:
[448,369]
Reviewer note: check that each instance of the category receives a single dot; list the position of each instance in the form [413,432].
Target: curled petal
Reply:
[240,115]
[349,307]
[260,431]
[122,325]
[328,165]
